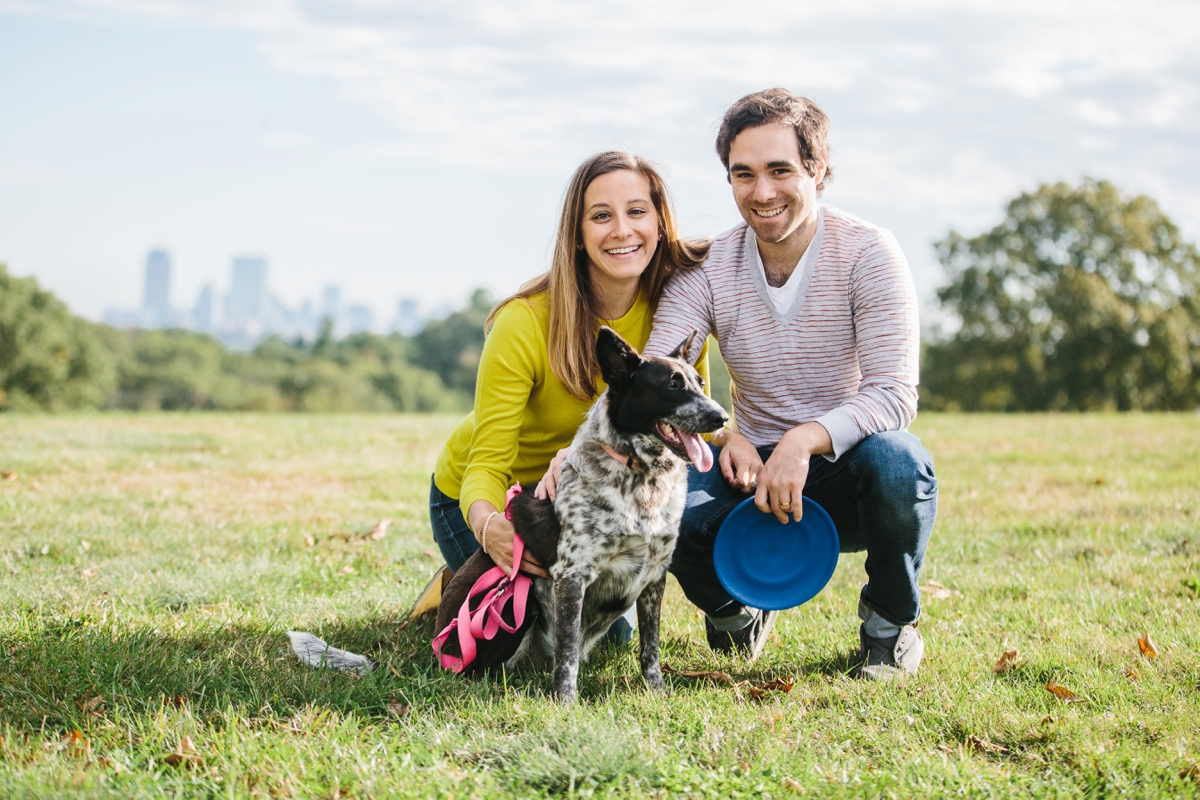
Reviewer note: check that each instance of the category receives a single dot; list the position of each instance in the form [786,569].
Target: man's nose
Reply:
[763,190]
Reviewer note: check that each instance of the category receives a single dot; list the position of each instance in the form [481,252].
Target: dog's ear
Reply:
[681,352]
[617,359]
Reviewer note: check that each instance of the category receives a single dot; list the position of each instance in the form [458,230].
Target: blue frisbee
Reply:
[773,566]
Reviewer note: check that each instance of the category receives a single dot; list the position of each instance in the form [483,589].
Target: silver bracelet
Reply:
[483,533]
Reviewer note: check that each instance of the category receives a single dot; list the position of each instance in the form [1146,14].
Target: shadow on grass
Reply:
[51,677]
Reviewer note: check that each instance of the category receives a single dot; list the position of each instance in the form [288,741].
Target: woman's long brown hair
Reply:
[574,321]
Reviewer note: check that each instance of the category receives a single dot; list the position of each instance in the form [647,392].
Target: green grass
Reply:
[149,566]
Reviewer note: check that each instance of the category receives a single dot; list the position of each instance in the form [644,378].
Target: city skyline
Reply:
[250,312]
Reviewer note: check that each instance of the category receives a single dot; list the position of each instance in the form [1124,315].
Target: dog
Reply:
[607,539]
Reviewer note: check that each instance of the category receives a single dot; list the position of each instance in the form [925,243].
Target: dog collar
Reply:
[625,461]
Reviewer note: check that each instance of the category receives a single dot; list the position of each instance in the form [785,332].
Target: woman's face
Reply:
[620,228]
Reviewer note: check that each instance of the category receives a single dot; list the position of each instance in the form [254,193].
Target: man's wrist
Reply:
[811,437]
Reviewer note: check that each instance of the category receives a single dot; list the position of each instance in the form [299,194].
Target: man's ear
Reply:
[681,352]
[617,359]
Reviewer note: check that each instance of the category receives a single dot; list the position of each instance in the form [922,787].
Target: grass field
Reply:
[149,566]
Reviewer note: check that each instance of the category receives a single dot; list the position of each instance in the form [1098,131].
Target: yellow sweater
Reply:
[523,414]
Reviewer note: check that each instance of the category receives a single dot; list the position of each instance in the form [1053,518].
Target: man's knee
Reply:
[898,468]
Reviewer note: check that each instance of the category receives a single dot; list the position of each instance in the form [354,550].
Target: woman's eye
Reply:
[602,217]
[637,212]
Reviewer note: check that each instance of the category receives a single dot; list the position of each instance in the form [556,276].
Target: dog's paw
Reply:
[655,681]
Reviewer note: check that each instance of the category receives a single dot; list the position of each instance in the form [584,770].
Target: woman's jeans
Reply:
[450,530]
[882,495]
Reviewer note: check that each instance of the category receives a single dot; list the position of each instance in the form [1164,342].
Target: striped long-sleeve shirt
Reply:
[846,353]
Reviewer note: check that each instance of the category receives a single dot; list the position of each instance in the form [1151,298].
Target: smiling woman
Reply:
[616,248]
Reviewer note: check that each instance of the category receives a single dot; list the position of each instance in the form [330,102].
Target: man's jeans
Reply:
[882,495]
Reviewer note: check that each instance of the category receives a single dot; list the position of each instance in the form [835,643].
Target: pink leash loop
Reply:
[498,589]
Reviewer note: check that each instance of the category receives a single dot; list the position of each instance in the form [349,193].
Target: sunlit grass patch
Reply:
[150,565]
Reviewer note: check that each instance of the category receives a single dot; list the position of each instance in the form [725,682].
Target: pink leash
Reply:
[498,589]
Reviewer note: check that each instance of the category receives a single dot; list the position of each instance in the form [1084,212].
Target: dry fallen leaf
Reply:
[1063,693]
[85,544]
[981,745]
[177,700]
[186,756]
[396,708]
[1146,645]
[779,684]
[936,590]
[793,785]
[8,475]
[89,573]
[430,554]
[1191,771]
[349,570]
[713,675]
[1007,660]
[380,529]
[93,705]
[944,748]
[309,541]
[1131,674]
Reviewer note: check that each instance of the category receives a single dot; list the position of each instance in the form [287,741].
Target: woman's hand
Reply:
[500,540]
[547,487]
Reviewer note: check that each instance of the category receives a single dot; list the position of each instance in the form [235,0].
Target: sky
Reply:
[421,148]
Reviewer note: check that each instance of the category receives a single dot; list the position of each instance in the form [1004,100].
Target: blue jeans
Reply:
[450,530]
[882,495]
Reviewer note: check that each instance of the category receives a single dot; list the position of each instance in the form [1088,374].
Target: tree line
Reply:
[1081,298]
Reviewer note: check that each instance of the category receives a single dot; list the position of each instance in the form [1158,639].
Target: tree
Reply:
[451,347]
[1082,298]
[49,359]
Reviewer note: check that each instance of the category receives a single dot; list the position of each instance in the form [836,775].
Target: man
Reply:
[816,316]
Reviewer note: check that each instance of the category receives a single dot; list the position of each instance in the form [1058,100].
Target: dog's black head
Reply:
[659,397]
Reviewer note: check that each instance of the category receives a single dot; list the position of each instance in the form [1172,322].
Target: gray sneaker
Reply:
[891,658]
[748,640]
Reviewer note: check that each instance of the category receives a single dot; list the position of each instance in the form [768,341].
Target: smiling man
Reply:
[816,316]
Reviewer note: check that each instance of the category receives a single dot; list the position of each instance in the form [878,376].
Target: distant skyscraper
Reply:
[203,312]
[359,319]
[245,301]
[156,301]
[408,320]
[331,302]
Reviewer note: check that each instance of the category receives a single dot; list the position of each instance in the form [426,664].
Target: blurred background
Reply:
[276,204]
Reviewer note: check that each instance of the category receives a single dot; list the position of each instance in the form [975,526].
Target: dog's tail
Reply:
[313,650]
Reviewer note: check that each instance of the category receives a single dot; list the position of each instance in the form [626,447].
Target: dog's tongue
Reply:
[697,451]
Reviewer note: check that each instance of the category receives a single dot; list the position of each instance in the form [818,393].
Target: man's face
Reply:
[774,192]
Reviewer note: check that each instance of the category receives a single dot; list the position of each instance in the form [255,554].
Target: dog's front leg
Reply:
[568,611]
[649,610]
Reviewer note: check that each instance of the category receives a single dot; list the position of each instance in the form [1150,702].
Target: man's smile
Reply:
[773,212]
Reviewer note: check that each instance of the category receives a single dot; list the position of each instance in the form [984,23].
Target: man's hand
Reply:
[548,486]
[739,462]
[500,540]
[781,480]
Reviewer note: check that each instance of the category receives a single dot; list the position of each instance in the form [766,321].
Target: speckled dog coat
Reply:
[617,511]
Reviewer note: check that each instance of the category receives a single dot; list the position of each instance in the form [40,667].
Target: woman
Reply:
[616,248]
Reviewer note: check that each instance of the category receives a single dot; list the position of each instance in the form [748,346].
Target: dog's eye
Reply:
[676,381]
[701,380]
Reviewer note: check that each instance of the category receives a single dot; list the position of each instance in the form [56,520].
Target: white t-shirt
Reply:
[782,297]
